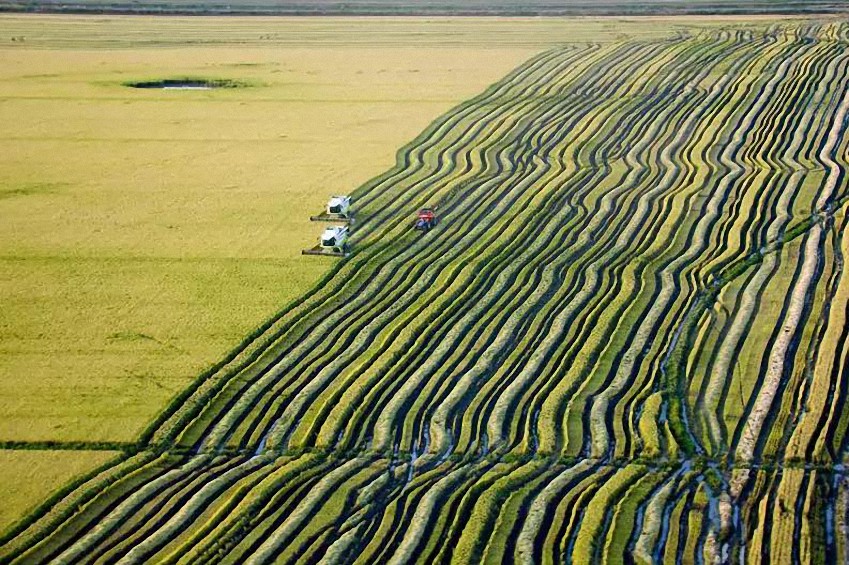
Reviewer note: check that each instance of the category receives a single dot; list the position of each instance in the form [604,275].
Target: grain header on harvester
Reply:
[333,242]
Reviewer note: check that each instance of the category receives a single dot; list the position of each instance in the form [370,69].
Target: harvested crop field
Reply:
[624,341]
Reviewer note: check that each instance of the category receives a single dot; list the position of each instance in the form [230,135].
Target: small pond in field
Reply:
[187,84]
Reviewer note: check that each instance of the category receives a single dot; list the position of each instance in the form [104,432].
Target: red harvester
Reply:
[425,219]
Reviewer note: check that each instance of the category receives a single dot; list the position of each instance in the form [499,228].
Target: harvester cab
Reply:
[338,210]
[333,242]
[339,205]
[425,219]
[335,238]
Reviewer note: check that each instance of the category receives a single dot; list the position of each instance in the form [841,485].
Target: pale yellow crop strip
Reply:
[696,524]
[623,519]
[545,414]
[591,536]
[831,360]
[745,448]
[637,390]
[784,514]
[652,520]
[677,529]
[719,370]
[721,367]
[599,432]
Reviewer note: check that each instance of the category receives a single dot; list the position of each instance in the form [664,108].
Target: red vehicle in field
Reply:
[425,219]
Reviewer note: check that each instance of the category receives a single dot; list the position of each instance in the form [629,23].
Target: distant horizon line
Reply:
[600,8]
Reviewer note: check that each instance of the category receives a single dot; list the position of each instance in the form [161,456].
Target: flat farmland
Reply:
[146,232]
[32,476]
[623,342]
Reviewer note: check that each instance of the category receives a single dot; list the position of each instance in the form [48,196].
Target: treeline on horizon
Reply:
[428,7]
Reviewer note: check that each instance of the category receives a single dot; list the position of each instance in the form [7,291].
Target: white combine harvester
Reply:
[333,242]
[338,210]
